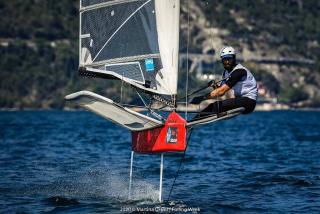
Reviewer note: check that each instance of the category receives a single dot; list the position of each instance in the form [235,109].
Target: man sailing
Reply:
[235,77]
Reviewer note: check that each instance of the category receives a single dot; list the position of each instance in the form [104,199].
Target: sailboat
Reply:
[136,42]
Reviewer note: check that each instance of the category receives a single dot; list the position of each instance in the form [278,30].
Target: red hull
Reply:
[169,138]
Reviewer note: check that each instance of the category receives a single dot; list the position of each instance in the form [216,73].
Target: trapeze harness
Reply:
[244,85]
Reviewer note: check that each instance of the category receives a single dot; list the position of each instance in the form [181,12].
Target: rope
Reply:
[188,42]
[180,164]
[149,108]
[121,93]
[164,101]
[212,43]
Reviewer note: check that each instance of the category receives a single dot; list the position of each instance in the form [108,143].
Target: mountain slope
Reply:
[39,47]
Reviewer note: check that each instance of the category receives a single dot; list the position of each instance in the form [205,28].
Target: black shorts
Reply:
[228,104]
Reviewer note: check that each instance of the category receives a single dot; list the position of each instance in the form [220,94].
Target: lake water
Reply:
[77,162]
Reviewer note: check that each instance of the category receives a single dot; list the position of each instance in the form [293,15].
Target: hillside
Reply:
[39,47]
[264,30]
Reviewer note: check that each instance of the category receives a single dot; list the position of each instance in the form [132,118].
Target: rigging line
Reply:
[180,164]
[186,97]
[132,106]
[212,43]
[149,109]
[121,93]
[144,103]
[188,42]
[192,93]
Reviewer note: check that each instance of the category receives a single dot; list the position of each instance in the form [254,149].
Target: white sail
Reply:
[135,39]
[168,12]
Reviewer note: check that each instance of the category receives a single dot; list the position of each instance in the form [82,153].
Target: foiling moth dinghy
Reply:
[136,42]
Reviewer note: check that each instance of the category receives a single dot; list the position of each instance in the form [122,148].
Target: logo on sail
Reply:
[149,65]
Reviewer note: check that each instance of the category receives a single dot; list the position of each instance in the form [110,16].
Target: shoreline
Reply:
[259,108]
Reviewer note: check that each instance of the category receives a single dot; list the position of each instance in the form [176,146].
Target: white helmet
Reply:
[227,51]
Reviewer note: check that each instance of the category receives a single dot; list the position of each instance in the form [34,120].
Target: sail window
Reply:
[131,70]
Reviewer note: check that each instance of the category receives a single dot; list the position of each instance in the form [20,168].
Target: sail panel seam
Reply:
[124,59]
[106,4]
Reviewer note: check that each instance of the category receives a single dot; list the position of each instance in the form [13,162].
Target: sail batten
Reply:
[126,59]
[137,39]
[104,4]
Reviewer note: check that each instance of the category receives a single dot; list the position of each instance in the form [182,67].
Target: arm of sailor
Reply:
[219,91]
[235,77]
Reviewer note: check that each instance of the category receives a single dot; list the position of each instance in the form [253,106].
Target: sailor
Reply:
[235,77]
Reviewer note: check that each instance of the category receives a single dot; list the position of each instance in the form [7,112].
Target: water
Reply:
[76,162]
